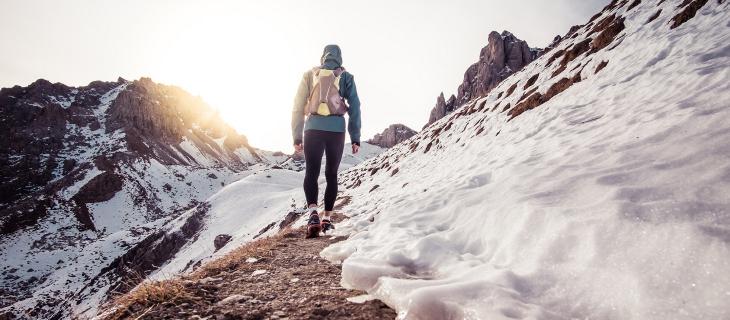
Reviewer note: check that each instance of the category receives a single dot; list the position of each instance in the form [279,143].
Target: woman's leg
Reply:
[335,144]
[314,146]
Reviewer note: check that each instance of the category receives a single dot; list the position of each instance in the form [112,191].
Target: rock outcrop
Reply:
[394,134]
[221,240]
[504,55]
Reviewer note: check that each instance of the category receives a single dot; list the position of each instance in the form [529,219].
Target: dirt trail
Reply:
[287,280]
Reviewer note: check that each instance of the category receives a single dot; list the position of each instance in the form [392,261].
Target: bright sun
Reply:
[250,77]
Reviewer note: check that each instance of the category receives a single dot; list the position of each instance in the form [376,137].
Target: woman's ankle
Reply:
[326,214]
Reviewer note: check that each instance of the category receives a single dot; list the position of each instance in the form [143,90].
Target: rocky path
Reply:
[281,277]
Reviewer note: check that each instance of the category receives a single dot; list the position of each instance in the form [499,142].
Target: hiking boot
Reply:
[313,225]
[327,225]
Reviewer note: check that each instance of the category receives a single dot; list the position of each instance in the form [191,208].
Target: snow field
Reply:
[610,201]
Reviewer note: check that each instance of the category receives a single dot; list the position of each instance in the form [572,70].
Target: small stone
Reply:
[209,280]
[236,298]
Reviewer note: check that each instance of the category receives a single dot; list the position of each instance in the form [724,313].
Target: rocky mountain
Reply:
[392,135]
[107,184]
[503,55]
[89,179]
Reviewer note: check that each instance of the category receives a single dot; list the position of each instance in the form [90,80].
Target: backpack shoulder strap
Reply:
[339,71]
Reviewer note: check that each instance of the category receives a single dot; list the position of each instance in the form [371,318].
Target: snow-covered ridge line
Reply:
[604,199]
[101,175]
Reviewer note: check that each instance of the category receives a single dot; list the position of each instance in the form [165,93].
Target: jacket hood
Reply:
[331,57]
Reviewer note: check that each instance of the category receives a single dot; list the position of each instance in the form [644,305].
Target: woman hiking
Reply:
[318,127]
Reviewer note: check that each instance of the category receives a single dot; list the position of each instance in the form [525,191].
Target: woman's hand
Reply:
[355,148]
[298,148]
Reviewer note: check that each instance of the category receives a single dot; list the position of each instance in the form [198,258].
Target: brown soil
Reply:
[511,89]
[607,35]
[297,284]
[633,5]
[556,55]
[531,81]
[506,107]
[538,99]
[653,17]
[605,22]
[688,13]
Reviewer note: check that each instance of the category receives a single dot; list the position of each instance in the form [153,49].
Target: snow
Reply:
[55,261]
[349,160]
[361,298]
[610,201]
[62,101]
[199,157]
[242,209]
[71,191]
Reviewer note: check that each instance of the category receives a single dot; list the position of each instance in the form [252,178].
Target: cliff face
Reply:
[392,135]
[504,55]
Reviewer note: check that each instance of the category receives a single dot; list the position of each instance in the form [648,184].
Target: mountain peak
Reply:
[393,135]
[504,55]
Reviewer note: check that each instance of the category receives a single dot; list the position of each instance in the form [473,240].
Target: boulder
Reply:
[395,134]
[221,240]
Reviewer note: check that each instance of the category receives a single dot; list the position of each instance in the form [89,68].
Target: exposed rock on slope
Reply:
[394,134]
[553,194]
[504,55]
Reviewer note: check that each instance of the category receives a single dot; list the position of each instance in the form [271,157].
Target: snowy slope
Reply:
[251,207]
[105,198]
[241,210]
[610,200]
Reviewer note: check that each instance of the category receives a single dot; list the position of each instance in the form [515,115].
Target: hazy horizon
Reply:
[239,56]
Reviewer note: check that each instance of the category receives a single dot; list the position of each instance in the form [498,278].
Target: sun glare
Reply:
[238,69]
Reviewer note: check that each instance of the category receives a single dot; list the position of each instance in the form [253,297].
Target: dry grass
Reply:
[153,293]
[150,294]
[238,256]
[146,294]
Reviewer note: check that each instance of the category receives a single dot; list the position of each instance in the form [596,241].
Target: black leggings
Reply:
[317,142]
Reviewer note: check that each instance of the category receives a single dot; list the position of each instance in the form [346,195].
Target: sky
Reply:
[246,58]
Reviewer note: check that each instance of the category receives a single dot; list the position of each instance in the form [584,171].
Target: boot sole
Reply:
[313,231]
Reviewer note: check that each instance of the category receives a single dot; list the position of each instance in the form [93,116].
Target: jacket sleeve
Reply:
[353,125]
[300,102]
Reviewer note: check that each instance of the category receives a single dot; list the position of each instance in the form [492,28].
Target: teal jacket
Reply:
[331,59]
